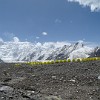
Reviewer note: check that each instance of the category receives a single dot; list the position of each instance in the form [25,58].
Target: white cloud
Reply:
[58,21]
[37,37]
[93,4]
[44,33]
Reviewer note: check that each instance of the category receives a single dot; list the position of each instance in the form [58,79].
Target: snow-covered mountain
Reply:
[96,52]
[27,51]
[1,61]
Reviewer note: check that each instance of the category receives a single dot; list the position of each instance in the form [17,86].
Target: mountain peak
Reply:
[27,51]
[79,43]
[16,39]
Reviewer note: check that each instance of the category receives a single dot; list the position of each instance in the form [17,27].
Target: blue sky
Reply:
[50,20]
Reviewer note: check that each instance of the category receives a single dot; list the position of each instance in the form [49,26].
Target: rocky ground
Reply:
[62,81]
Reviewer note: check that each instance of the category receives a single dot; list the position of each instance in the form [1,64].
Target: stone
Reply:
[6,89]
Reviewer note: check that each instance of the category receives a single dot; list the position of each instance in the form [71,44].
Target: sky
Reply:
[50,20]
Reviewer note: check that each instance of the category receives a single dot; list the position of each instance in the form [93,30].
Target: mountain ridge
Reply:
[27,51]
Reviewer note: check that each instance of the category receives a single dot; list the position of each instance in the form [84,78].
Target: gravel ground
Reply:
[62,81]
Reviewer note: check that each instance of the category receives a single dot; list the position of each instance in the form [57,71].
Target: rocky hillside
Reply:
[62,81]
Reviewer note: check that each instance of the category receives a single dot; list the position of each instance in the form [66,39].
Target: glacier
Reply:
[16,51]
